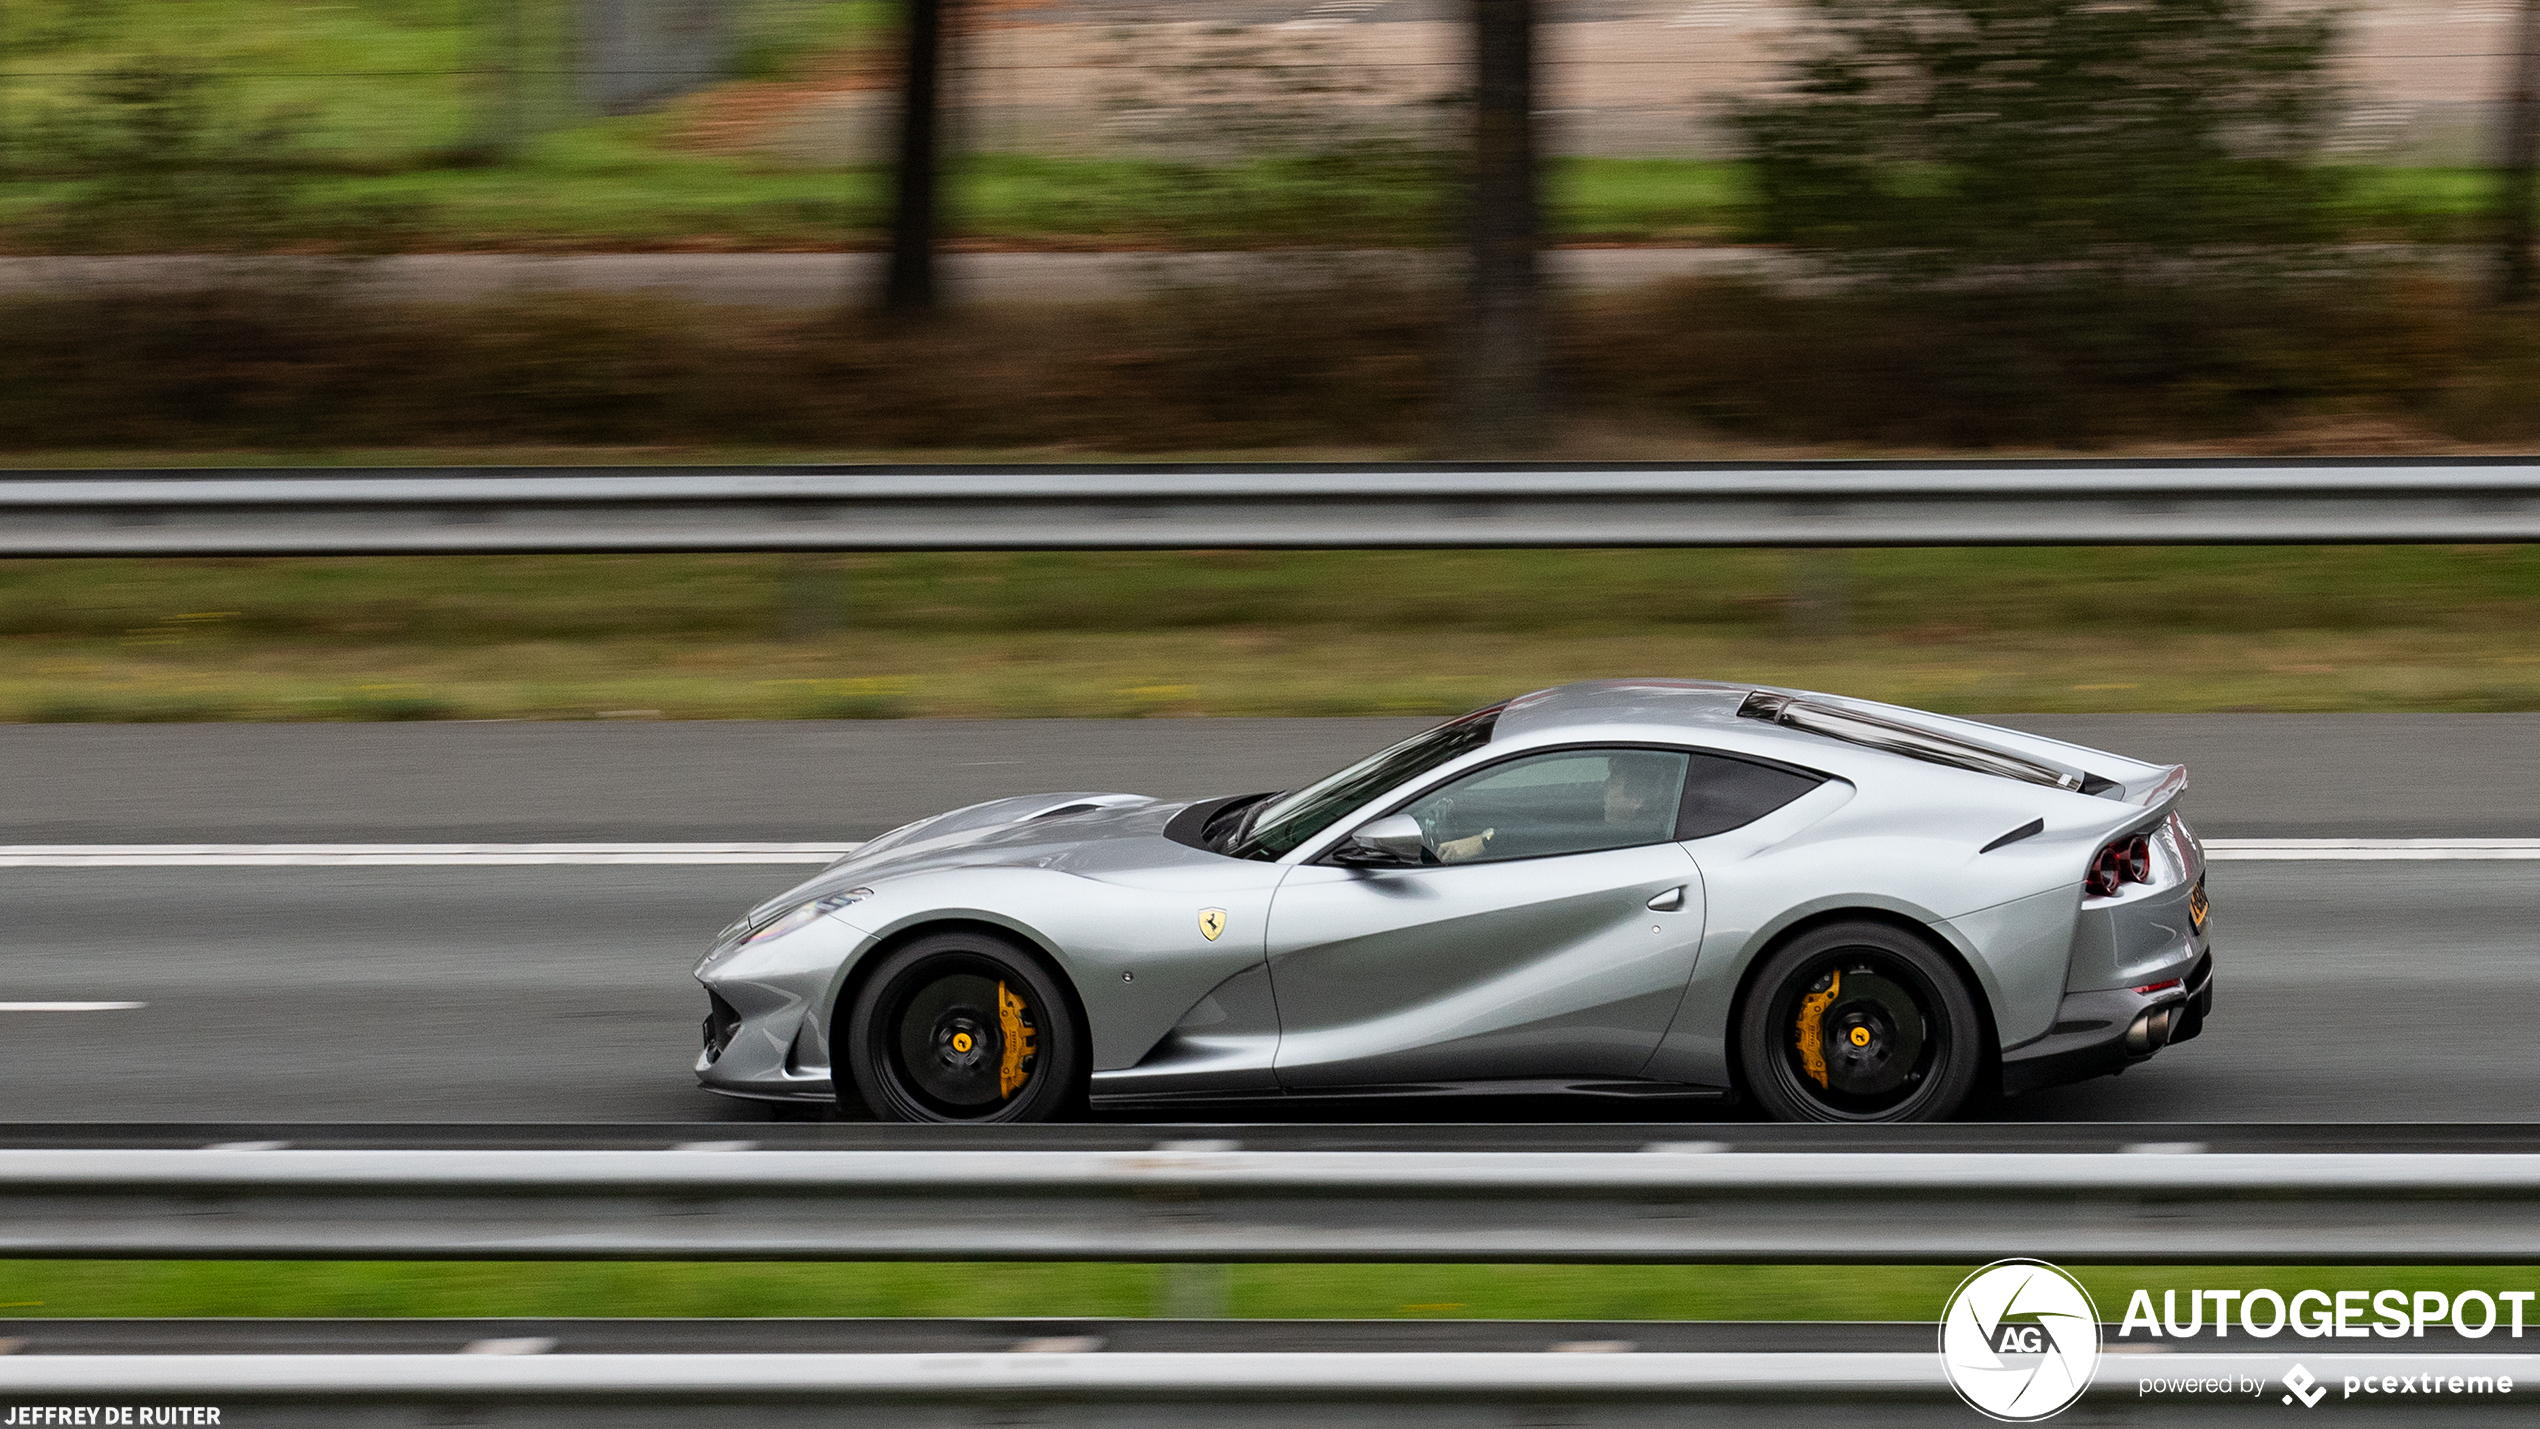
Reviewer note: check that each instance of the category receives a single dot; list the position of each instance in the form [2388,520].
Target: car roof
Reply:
[1693,708]
[1684,703]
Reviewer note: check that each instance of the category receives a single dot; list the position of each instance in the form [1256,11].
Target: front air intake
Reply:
[722,1021]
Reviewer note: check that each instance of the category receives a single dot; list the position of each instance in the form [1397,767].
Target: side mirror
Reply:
[1393,841]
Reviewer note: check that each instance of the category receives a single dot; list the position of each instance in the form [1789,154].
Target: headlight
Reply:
[804,913]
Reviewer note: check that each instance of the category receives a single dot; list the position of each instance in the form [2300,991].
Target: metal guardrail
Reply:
[1237,1389]
[990,1376]
[1656,1206]
[807,508]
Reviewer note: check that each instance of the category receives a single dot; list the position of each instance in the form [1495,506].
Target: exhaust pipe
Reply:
[2150,1032]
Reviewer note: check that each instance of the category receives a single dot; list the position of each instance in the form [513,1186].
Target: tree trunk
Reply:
[2516,184]
[910,286]
[1496,403]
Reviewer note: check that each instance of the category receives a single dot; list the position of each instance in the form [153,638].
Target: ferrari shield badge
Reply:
[1212,921]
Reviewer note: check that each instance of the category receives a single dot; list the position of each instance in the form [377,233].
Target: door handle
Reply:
[1669,901]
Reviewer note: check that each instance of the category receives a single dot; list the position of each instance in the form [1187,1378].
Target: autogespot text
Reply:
[2324,1314]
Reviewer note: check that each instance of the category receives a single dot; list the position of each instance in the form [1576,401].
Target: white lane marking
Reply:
[408,855]
[2369,850]
[71,1006]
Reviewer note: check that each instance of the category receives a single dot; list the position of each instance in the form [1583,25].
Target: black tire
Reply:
[963,1028]
[1899,1037]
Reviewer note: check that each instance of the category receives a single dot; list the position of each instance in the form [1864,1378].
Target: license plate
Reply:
[2198,905]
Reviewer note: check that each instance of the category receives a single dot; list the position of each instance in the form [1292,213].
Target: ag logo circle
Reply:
[2020,1340]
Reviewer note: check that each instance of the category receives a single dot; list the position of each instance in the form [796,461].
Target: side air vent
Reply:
[2029,830]
[1896,737]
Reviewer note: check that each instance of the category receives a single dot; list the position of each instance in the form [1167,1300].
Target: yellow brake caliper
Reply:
[1018,1042]
[1812,1047]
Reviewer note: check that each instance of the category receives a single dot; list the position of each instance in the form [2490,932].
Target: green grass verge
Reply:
[610,185]
[1249,633]
[1548,1292]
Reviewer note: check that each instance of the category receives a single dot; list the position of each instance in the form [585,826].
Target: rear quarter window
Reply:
[1724,793]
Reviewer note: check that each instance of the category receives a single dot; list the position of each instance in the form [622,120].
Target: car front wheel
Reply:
[1860,1022]
[964,1027]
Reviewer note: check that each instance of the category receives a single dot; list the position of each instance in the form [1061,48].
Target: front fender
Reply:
[1133,944]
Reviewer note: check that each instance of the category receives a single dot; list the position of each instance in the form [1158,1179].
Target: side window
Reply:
[1571,801]
[1723,794]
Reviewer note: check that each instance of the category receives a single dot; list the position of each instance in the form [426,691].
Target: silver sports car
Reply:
[1846,911]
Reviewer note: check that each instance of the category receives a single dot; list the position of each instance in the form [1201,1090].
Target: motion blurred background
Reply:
[567,231]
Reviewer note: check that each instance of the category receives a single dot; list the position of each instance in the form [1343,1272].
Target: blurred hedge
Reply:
[1285,362]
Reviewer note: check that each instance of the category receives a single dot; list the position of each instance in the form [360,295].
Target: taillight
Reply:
[2138,859]
[2128,860]
[2106,872]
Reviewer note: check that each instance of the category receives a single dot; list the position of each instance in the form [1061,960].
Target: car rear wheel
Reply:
[964,1027]
[1860,1022]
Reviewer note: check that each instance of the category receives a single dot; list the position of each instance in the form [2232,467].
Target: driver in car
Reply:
[1633,788]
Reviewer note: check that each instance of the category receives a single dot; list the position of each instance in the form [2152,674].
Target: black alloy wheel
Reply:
[1860,1022]
[963,1027]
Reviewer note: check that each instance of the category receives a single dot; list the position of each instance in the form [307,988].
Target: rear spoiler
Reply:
[2162,787]
[1916,742]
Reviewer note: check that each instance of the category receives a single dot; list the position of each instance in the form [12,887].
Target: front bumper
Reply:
[766,1027]
[757,1062]
[2098,1034]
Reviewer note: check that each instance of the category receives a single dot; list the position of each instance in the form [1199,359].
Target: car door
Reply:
[1551,935]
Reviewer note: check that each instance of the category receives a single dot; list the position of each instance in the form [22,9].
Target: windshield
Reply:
[1300,816]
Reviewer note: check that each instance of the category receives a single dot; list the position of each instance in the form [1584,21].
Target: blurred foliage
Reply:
[2043,205]
[1951,137]
[281,363]
[609,187]
[166,162]
[1246,138]
[1259,133]
[773,38]
[2064,365]
[1298,355]
[383,85]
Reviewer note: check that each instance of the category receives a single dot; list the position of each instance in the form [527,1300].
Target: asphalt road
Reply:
[2284,776]
[2348,992]
[2389,992]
